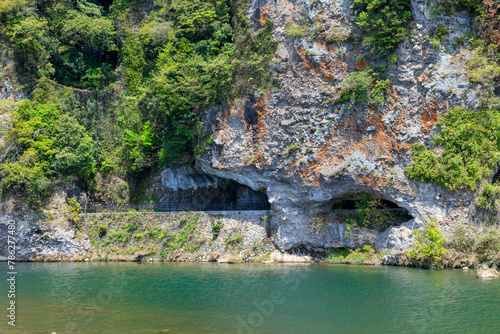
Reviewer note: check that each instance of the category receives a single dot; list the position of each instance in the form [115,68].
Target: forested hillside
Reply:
[118,87]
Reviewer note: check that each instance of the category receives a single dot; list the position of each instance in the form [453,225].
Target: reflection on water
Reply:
[249,298]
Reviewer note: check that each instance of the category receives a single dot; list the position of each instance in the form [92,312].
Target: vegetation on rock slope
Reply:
[117,92]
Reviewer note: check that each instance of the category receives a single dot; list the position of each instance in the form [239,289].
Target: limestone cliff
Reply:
[308,152]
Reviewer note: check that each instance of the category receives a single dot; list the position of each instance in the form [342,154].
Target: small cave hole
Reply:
[364,210]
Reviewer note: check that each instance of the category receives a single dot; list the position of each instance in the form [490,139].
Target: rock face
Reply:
[36,243]
[308,152]
[40,235]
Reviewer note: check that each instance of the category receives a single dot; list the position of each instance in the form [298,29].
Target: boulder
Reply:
[484,272]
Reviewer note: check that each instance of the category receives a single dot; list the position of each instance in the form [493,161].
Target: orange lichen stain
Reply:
[429,117]
[307,62]
[263,16]
[320,44]
[422,79]
[370,180]
[362,63]
[327,74]
[258,132]
[424,52]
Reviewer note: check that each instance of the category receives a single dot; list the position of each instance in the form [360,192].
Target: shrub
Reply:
[216,229]
[484,70]
[487,246]
[74,208]
[383,24]
[121,237]
[130,227]
[364,255]
[363,87]
[234,240]
[103,229]
[153,233]
[471,147]
[489,197]
[370,213]
[428,248]
[295,30]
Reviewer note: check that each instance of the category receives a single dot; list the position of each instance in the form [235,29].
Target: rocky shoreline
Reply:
[224,237]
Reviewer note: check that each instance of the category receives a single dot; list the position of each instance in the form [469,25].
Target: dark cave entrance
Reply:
[221,195]
[365,210]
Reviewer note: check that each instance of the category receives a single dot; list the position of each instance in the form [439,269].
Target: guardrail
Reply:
[182,206]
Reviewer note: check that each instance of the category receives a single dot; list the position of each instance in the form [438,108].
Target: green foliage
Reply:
[207,59]
[448,7]
[120,237]
[291,148]
[364,255]
[363,87]
[429,245]
[185,237]
[319,29]
[471,147]
[153,233]
[370,213]
[484,71]
[130,227]
[164,71]
[32,43]
[74,208]
[69,41]
[383,24]
[48,145]
[489,197]
[216,228]
[8,5]
[295,30]
[103,229]
[233,240]
[487,246]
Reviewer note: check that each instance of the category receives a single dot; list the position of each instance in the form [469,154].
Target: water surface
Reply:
[249,298]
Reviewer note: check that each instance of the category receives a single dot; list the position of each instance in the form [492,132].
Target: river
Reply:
[248,298]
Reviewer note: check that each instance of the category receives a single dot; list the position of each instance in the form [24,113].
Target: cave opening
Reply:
[231,195]
[187,189]
[365,210]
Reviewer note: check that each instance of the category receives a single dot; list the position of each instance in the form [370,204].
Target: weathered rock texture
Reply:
[306,151]
[41,235]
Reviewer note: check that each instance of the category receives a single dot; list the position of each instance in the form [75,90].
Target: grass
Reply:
[365,255]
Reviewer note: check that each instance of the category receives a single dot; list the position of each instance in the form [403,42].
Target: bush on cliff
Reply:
[43,145]
[383,24]
[364,87]
[428,249]
[470,142]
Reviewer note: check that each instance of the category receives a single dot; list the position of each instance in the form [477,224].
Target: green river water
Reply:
[248,298]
